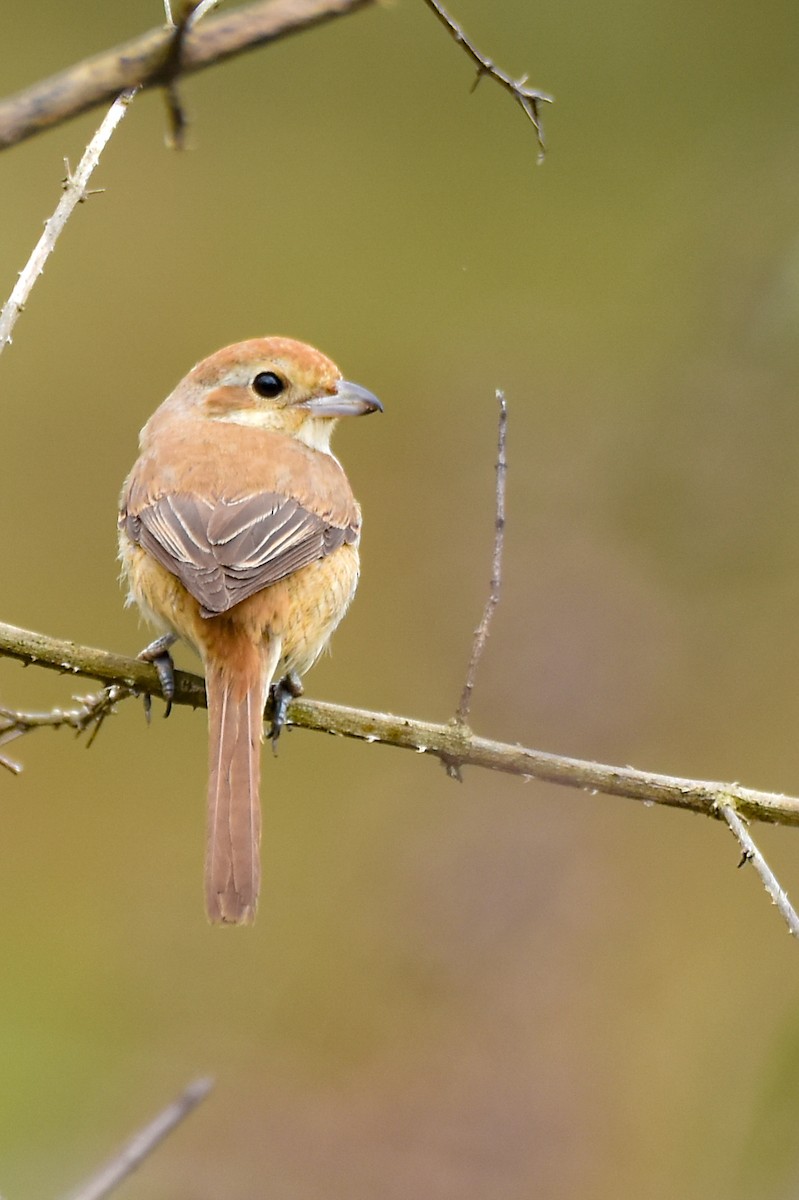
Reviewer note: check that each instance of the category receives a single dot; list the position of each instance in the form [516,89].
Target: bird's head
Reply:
[273,383]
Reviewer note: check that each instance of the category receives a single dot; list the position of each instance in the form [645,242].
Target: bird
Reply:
[239,534]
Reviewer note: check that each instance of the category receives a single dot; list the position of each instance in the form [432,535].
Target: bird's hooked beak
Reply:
[348,400]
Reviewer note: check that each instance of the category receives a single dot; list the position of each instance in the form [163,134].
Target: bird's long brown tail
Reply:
[236,692]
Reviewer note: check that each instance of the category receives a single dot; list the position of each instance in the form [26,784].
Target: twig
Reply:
[482,630]
[142,1144]
[74,193]
[751,854]
[449,742]
[143,61]
[526,97]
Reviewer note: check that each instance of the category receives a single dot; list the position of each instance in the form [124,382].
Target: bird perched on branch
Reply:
[238,532]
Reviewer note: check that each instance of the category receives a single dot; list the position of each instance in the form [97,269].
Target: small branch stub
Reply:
[189,14]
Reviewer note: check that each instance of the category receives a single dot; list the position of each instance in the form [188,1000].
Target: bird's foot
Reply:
[283,692]
[158,654]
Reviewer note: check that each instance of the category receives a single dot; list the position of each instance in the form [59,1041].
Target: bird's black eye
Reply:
[268,385]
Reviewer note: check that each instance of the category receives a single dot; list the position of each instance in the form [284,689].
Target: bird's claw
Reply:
[158,654]
[283,692]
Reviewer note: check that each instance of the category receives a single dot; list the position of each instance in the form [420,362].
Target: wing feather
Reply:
[225,551]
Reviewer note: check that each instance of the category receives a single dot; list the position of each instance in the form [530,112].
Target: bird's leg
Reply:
[283,692]
[158,654]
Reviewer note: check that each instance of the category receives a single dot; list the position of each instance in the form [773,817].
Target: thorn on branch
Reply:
[481,73]
[452,767]
[72,180]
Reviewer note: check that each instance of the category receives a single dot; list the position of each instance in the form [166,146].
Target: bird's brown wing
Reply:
[225,551]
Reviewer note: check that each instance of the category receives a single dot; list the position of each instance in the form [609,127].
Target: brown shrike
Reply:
[239,533]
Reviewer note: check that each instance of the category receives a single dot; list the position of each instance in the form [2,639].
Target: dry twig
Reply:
[529,99]
[75,191]
[142,1144]
[482,630]
[752,855]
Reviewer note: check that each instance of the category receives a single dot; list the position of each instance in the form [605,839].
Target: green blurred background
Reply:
[494,990]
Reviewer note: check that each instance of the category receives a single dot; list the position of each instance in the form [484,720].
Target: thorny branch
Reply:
[453,744]
[159,57]
[90,714]
[447,742]
[142,1144]
[529,99]
[75,184]
[75,191]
